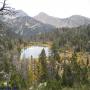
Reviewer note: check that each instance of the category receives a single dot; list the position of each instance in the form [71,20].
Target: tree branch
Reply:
[4,4]
[5,9]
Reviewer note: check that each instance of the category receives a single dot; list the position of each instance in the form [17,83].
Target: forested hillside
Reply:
[67,65]
[76,38]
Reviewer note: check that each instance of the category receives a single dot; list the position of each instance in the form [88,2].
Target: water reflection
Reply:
[33,51]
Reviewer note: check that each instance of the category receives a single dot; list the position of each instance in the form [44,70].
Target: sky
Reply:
[56,8]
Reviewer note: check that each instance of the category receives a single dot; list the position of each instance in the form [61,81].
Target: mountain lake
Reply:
[33,51]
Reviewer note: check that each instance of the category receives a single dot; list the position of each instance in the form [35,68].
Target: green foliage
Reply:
[53,85]
[67,78]
[77,38]
[42,60]
[17,80]
[74,75]
[55,52]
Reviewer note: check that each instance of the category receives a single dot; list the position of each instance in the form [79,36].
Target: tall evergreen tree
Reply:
[42,60]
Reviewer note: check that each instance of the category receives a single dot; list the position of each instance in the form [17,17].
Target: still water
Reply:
[33,51]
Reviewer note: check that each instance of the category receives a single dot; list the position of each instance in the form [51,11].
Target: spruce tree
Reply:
[42,60]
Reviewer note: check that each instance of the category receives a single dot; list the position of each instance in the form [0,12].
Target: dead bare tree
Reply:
[3,6]
[5,9]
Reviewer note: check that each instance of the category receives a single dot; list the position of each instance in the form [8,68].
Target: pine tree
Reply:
[42,60]
[54,58]
[55,52]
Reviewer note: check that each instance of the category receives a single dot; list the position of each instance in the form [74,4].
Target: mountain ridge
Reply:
[72,21]
[24,25]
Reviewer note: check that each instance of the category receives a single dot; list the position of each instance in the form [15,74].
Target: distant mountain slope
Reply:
[73,21]
[24,25]
[6,31]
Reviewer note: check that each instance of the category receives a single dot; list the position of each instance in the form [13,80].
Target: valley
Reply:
[44,52]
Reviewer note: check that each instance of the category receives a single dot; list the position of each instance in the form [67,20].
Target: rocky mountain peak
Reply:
[73,21]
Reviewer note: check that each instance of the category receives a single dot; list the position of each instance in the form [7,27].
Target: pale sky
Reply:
[57,8]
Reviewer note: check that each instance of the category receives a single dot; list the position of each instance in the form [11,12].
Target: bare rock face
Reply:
[25,26]
[73,21]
